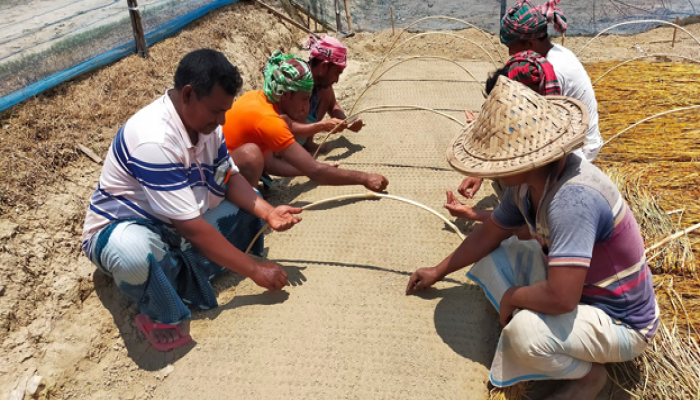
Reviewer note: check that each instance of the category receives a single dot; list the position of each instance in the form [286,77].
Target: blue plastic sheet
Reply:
[152,36]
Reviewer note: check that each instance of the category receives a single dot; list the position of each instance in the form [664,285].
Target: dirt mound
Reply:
[47,183]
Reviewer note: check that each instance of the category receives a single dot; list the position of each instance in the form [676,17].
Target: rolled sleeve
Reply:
[507,215]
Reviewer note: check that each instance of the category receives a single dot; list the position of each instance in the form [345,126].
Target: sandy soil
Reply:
[61,320]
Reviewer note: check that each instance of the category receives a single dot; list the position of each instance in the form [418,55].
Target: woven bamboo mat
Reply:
[345,330]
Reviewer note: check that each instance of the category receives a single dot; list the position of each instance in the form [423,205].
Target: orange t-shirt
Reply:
[253,119]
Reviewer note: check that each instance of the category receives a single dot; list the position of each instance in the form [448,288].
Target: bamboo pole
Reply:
[673,237]
[317,21]
[351,31]
[338,25]
[286,18]
[563,39]
[308,16]
[137,27]
[367,196]
[675,31]
[393,30]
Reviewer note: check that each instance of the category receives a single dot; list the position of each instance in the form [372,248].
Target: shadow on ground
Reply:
[342,143]
[462,327]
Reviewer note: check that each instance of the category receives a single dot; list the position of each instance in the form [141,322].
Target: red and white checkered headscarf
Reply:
[328,49]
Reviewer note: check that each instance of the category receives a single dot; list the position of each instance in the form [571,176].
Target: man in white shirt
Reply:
[524,27]
[171,210]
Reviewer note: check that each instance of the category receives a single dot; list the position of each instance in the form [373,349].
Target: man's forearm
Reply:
[240,193]
[214,246]
[301,131]
[483,240]
[539,298]
[332,176]
[339,114]
[559,294]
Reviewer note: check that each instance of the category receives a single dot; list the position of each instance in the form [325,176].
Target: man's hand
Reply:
[422,279]
[459,210]
[470,186]
[376,182]
[357,125]
[506,308]
[270,276]
[282,218]
[470,116]
[328,125]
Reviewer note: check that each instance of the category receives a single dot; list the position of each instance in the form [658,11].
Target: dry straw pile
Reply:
[657,167]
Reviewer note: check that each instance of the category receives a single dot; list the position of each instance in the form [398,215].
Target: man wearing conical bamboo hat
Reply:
[579,296]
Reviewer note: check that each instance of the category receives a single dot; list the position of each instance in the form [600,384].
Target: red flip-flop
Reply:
[146,327]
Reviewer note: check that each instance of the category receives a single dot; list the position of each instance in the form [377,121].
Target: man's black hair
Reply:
[493,78]
[204,68]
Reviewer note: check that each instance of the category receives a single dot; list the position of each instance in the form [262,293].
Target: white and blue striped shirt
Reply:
[154,171]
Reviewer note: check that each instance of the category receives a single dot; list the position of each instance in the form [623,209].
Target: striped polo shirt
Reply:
[153,171]
[584,221]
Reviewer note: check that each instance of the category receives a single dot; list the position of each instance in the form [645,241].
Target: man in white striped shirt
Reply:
[171,211]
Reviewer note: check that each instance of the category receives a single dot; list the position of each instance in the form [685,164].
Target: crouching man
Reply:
[259,139]
[579,296]
[171,210]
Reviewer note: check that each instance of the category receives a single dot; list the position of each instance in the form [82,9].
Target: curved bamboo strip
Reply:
[650,118]
[641,57]
[367,196]
[394,47]
[673,237]
[644,21]
[386,107]
[376,80]
[446,18]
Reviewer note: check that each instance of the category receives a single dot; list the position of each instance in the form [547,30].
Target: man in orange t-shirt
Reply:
[258,138]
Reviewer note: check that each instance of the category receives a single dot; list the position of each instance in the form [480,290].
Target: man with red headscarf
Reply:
[532,70]
[523,28]
[328,60]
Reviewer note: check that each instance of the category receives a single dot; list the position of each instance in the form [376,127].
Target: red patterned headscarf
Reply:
[526,21]
[534,71]
[328,49]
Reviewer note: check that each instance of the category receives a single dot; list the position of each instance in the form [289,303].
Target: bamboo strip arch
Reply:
[376,80]
[641,57]
[446,18]
[366,196]
[394,47]
[386,107]
[644,21]
[675,110]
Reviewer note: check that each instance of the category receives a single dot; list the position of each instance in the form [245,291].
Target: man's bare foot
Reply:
[170,335]
[586,388]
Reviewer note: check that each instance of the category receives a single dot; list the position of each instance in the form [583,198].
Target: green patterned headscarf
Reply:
[286,73]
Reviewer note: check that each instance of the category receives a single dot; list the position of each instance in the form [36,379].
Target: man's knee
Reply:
[128,254]
[524,336]
[250,162]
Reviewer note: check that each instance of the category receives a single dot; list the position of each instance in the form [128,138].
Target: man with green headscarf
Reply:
[258,138]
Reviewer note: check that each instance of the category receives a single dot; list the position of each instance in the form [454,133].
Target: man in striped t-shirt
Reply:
[171,210]
[581,294]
